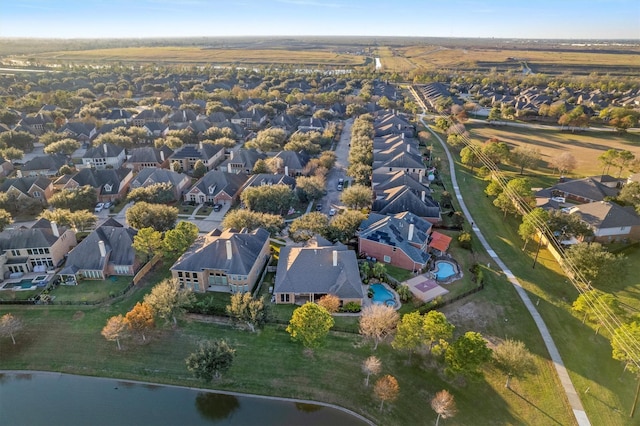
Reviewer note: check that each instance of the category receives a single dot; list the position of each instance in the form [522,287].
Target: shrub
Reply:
[352,307]
[464,239]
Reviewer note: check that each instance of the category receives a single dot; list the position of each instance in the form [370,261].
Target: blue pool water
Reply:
[445,270]
[382,295]
[25,283]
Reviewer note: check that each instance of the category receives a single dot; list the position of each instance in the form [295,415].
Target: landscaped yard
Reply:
[90,290]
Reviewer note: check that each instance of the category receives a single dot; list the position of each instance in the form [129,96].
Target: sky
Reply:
[575,19]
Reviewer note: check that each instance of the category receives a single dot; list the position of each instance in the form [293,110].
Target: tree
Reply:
[147,242]
[211,359]
[513,358]
[437,329]
[199,169]
[268,140]
[630,194]
[410,333]
[310,188]
[379,270]
[624,344]
[330,302]
[623,160]
[156,216]
[377,322]
[344,226]
[504,203]
[244,307]
[467,354]
[444,405]
[404,292]
[260,167]
[310,324]
[594,305]
[168,300]
[158,193]
[82,198]
[11,153]
[357,197]
[564,163]
[239,219]
[114,138]
[274,199]
[530,223]
[493,188]
[5,219]
[305,227]
[64,146]
[465,239]
[115,329]
[361,173]
[178,240]
[575,118]
[597,265]
[468,156]
[608,159]
[20,140]
[80,219]
[10,326]
[495,150]
[176,166]
[386,389]
[371,365]
[495,114]
[140,319]
[525,157]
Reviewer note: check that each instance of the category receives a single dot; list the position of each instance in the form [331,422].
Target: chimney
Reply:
[104,148]
[103,250]
[230,155]
[286,170]
[229,168]
[408,147]
[335,258]
[229,251]
[420,175]
[162,156]
[54,229]
[200,145]
[423,196]
[411,228]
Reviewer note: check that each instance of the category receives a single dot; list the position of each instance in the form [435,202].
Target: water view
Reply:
[59,399]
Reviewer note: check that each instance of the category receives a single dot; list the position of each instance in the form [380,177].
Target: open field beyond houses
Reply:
[196,54]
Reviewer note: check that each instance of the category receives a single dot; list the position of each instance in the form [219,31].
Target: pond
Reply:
[56,399]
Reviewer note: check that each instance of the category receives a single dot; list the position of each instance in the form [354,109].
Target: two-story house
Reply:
[104,156]
[110,184]
[188,155]
[37,187]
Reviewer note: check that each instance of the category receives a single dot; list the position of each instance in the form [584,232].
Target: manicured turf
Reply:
[90,290]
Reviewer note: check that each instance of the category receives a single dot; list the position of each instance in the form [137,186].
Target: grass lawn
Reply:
[90,290]
[19,295]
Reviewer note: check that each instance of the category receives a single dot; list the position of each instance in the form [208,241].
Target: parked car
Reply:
[217,207]
[332,212]
[319,207]
[107,205]
[98,207]
[339,187]
[341,181]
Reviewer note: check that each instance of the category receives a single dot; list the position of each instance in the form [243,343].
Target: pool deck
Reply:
[28,276]
[425,288]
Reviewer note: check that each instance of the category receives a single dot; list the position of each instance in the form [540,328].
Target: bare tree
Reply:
[377,322]
[9,326]
[371,365]
[444,404]
[386,389]
[115,329]
[564,163]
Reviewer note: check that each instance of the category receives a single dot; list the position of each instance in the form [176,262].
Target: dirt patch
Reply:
[78,315]
[473,315]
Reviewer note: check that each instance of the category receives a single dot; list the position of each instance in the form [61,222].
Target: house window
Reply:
[387,259]
[15,252]
[37,194]
[180,274]
[284,298]
[394,249]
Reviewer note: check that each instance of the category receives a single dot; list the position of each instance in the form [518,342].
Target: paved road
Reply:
[565,380]
[332,199]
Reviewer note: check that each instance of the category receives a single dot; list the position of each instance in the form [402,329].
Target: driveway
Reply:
[332,199]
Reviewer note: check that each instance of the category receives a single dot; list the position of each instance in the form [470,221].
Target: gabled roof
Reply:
[214,182]
[402,199]
[99,178]
[203,151]
[402,160]
[151,176]
[388,180]
[606,215]
[39,235]
[588,188]
[293,160]
[246,157]
[298,263]
[210,252]
[100,152]
[270,179]
[77,128]
[25,183]
[117,240]
[118,114]
[147,154]
[51,162]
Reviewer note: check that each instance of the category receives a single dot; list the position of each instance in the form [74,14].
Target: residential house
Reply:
[306,273]
[400,240]
[36,187]
[118,114]
[106,251]
[79,130]
[249,119]
[216,187]
[43,165]
[586,190]
[36,249]
[146,116]
[5,167]
[291,163]
[241,161]
[609,221]
[110,184]
[312,124]
[156,129]
[286,122]
[188,155]
[148,176]
[35,124]
[402,198]
[149,157]
[262,179]
[223,261]
[104,156]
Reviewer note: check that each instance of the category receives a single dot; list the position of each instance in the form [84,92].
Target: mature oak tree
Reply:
[245,308]
[211,359]
[310,324]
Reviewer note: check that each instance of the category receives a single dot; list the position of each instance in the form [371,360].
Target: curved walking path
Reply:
[565,380]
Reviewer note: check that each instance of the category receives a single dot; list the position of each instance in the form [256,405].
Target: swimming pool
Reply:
[444,270]
[381,295]
[23,284]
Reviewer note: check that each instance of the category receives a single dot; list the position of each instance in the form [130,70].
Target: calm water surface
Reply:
[56,399]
